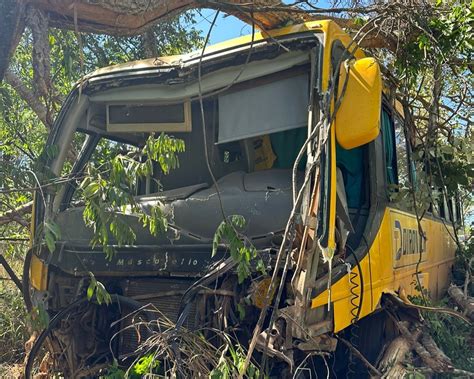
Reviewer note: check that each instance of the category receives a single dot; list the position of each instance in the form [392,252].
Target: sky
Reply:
[228,27]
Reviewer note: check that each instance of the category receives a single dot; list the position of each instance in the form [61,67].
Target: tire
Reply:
[369,335]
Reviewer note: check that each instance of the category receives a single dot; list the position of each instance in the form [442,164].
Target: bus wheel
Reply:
[369,335]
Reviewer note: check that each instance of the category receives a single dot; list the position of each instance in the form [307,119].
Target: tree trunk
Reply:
[392,364]
[12,25]
[424,354]
[466,303]
[37,21]
[435,352]
[149,44]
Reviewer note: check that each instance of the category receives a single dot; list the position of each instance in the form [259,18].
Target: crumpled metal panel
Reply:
[263,198]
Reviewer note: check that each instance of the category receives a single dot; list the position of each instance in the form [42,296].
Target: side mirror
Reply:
[357,120]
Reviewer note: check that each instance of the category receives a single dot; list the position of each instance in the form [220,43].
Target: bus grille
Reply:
[163,298]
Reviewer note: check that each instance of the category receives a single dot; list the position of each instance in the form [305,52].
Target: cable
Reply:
[355,308]
[278,295]
[188,297]
[201,102]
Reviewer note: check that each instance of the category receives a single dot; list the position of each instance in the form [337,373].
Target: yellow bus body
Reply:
[394,256]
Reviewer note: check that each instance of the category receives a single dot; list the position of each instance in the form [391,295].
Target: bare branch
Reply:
[16,215]
[37,21]
[28,96]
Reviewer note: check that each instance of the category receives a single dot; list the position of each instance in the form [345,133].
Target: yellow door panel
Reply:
[38,274]
[391,265]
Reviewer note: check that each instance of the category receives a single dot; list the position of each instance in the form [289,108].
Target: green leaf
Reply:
[50,241]
[91,289]
[241,311]
[53,228]
[146,365]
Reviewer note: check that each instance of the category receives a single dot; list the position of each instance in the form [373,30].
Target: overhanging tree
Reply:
[425,44]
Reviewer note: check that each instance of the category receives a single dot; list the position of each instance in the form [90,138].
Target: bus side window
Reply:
[389,148]
[395,147]
[458,210]
[402,154]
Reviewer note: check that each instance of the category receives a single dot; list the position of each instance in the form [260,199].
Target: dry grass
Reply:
[13,331]
[14,371]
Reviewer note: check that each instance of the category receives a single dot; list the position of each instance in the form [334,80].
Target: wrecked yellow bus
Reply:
[297,125]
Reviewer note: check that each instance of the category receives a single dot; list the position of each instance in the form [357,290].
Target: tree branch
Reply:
[466,303]
[10,272]
[37,21]
[28,96]
[16,215]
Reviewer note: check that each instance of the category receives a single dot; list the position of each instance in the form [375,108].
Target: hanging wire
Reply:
[356,301]
[327,117]
[201,101]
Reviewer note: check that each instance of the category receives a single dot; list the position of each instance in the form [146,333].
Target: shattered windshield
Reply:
[252,127]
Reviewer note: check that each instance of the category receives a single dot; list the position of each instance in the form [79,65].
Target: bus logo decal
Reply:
[406,241]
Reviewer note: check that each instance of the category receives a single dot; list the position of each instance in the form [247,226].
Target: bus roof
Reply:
[214,50]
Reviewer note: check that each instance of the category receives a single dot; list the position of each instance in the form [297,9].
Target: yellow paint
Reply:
[38,270]
[380,271]
[332,32]
[38,274]
[383,273]
[358,117]
[332,196]
[231,43]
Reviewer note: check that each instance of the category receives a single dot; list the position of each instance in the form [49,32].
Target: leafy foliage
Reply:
[22,133]
[22,139]
[241,250]
[98,289]
[432,67]
[443,38]
[13,319]
[51,234]
[145,365]
[109,189]
[230,367]
[451,334]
